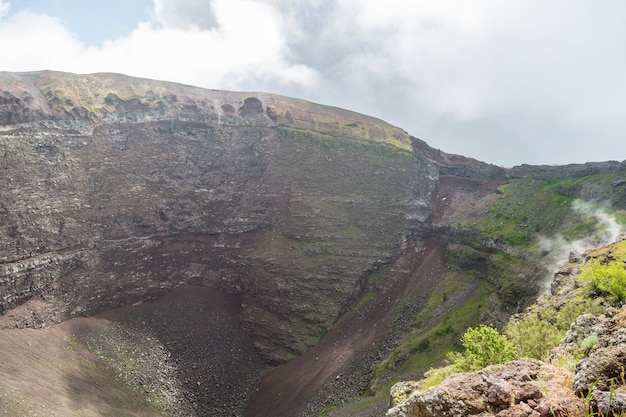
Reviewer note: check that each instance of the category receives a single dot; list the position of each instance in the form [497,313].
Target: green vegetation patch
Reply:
[538,333]
[379,145]
[14,405]
[609,188]
[375,283]
[618,251]
[68,91]
[339,122]
[513,278]
[352,231]
[456,304]
[523,209]
[608,279]
[483,346]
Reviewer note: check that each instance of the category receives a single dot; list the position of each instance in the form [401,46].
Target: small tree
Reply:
[484,346]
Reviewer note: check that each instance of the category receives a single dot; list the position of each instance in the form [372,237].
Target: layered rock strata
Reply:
[117,190]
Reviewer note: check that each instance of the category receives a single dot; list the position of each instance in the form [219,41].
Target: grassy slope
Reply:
[526,208]
[98,94]
[487,284]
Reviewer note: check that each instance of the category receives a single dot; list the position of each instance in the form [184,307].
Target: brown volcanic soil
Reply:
[346,351]
[44,372]
[186,352]
[457,196]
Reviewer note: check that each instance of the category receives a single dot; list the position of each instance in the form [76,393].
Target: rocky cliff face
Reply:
[117,190]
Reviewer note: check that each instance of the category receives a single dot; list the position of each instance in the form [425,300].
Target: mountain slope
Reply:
[568,347]
[315,222]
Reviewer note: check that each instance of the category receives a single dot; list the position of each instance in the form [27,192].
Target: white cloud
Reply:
[537,80]
[246,46]
[184,14]
[33,42]
[471,59]
[506,82]
[4,8]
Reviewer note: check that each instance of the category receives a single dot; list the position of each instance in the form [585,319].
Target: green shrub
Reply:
[534,337]
[484,346]
[608,279]
[588,343]
[573,308]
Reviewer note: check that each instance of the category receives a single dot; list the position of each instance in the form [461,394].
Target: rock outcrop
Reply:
[565,171]
[520,388]
[600,377]
[531,388]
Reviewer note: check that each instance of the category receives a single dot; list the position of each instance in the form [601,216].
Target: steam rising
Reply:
[558,248]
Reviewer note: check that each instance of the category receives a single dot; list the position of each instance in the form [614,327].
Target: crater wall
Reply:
[117,190]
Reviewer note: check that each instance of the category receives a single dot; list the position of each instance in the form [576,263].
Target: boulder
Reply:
[521,388]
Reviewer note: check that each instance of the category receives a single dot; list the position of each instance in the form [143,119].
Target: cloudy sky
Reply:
[506,82]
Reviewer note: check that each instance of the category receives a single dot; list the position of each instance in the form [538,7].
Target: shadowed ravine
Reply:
[288,389]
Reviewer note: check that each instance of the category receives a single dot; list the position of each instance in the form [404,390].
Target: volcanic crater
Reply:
[171,250]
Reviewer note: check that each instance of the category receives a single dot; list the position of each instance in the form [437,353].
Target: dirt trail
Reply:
[287,390]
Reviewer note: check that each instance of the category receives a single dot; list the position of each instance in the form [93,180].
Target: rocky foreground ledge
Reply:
[532,388]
